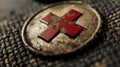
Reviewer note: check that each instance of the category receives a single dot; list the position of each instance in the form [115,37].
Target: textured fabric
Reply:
[104,50]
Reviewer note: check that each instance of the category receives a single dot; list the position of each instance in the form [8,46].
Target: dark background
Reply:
[103,51]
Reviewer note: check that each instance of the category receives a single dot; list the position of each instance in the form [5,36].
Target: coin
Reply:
[61,28]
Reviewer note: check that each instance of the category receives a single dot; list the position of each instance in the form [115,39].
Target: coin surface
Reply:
[61,28]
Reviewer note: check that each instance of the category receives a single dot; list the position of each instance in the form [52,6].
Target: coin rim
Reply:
[49,6]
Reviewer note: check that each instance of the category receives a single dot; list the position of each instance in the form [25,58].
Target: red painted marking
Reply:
[70,29]
[69,16]
[47,18]
[49,33]
[73,29]
[63,22]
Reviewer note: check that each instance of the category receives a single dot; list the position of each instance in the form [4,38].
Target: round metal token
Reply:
[61,28]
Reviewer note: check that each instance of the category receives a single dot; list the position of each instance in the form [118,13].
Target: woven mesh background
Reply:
[105,53]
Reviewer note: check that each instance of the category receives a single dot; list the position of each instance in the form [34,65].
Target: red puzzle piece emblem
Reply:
[55,24]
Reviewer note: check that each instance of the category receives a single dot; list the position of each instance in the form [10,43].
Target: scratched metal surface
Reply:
[104,51]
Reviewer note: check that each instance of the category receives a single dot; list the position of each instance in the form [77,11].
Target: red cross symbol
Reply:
[65,24]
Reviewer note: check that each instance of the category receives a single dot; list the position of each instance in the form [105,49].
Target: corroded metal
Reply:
[62,43]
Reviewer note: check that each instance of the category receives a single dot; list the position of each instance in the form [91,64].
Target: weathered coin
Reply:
[61,28]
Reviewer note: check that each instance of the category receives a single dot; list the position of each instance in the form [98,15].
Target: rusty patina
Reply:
[61,43]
